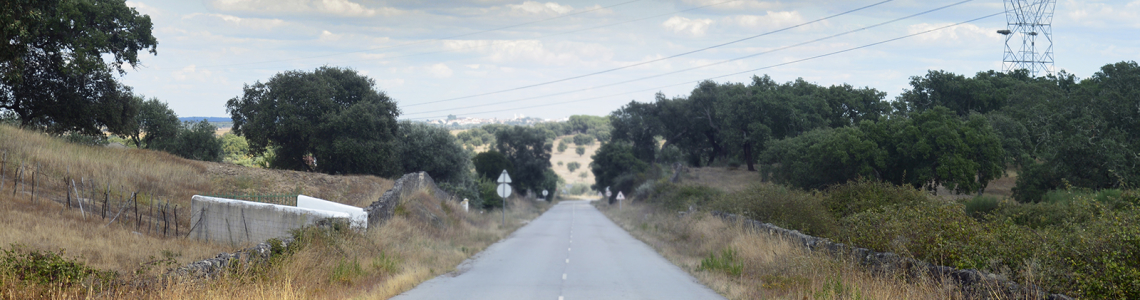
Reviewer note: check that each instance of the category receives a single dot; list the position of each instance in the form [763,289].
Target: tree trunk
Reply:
[748,156]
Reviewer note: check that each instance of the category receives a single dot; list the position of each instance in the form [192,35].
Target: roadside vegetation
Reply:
[741,264]
[49,252]
[1077,243]
[911,176]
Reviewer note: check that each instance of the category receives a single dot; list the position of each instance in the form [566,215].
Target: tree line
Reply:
[946,130]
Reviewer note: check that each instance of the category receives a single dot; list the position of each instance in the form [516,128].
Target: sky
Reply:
[503,59]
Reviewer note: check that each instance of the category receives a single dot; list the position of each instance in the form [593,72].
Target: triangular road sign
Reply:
[620,196]
[504,178]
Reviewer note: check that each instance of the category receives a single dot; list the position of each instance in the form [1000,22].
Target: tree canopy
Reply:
[433,150]
[52,69]
[333,114]
[529,153]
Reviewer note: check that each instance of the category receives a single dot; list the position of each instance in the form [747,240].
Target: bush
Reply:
[583,140]
[46,267]
[981,206]
[195,141]
[940,233]
[676,197]
[863,194]
[573,166]
[780,205]
[727,262]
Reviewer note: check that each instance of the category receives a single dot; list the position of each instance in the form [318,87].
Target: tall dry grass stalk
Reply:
[768,267]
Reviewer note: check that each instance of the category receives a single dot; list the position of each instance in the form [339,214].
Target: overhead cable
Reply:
[425,41]
[702,66]
[653,60]
[737,73]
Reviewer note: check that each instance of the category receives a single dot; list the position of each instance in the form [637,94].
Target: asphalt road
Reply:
[570,252]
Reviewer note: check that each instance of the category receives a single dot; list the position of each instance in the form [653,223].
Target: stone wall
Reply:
[238,222]
[212,267]
[974,283]
[410,183]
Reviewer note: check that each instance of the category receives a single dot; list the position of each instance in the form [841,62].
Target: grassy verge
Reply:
[1077,243]
[745,265]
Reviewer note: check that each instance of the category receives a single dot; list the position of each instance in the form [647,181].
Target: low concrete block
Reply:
[358,218]
[238,222]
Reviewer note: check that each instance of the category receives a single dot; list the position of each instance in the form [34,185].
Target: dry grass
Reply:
[377,264]
[50,226]
[770,267]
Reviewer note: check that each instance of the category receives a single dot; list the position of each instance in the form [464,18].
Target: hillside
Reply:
[378,263]
[155,176]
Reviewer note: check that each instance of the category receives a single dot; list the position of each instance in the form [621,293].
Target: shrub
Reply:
[863,194]
[573,166]
[46,267]
[727,262]
[583,140]
[780,205]
[935,232]
[676,197]
[980,206]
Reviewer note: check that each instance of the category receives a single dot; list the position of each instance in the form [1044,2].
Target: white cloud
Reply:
[954,35]
[232,21]
[683,25]
[143,8]
[773,19]
[327,36]
[191,72]
[384,83]
[342,8]
[533,51]
[1101,15]
[735,5]
[537,8]
[440,70]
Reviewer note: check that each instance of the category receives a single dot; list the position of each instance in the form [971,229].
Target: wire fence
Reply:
[145,212]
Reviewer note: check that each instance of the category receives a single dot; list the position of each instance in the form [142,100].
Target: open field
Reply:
[569,156]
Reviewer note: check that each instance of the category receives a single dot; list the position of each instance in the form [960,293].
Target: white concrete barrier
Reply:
[238,222]
[358,218]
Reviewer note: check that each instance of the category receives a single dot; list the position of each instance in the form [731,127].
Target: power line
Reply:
[653,60]
[425,41]
[574,31]
[737,73]
[709,64]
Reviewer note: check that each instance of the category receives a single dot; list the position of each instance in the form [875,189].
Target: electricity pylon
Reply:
[1031,20]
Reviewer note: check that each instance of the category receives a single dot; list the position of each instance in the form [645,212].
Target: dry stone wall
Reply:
[973,282]
[410,183]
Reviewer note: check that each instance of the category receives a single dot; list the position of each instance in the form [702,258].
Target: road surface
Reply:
[571,252]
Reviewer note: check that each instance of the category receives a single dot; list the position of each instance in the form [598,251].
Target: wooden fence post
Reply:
[176,220]
[107,198]
[68,190]
[137,220]
[165,222]
[16,178]
[37,172]
[3,165]
[81,211]
[151,213]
